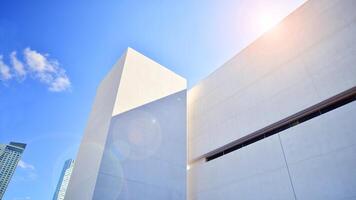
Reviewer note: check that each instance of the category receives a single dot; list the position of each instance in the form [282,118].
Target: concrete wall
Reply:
[134,145]
[307,58]
[313,160]
[145,154]
[133,82]
[82,182]
[321,155]
[144,81]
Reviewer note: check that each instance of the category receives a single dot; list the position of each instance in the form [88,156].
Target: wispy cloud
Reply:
[28,172]
[59,84]
[25,165]
[4,70]
[38,66]
[47,70]
[18,66]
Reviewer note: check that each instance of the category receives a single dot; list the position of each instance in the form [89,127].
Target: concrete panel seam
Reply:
[285,160]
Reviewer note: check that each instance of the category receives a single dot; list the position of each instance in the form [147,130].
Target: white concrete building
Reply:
[63,181]
[134,146]
[300,67]
[277,121]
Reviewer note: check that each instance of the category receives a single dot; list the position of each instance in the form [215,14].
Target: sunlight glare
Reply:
[267,21]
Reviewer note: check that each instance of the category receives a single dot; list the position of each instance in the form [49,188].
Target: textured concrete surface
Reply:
[307,58]
[133,82]
[145,153]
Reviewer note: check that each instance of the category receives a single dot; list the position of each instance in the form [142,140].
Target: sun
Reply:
[267,21]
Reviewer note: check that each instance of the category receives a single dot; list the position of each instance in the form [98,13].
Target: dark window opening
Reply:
[294,120]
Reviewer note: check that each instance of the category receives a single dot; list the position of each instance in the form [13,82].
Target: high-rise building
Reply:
[10,155]
[277,121]
[64,180]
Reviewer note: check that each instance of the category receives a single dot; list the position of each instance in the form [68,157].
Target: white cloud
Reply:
[17,65]
[22,164]
[60,83]
[39,63]
[47,70]
[5,73]
[39,66]
[28,172]
[36,61]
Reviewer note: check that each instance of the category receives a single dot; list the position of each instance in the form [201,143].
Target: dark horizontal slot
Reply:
[294,120]
[214,156]
[309,116]
[233,148]
[253,140]
[338,104]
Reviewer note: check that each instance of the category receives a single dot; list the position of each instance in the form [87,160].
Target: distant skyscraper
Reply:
[64,180]
[10,155]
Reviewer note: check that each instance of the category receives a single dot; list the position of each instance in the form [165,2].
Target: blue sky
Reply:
[67,46]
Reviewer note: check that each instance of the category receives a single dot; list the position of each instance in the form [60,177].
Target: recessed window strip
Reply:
[289,122]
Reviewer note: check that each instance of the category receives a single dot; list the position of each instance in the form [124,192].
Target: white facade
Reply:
[135,140]
[308,58]
[64,180]
[145,153]
[137,88]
